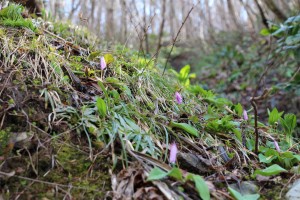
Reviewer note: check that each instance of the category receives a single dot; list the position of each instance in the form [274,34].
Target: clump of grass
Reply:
[12,16]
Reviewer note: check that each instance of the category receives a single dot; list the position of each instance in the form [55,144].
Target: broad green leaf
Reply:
[192,75]
[156,174]
[114,81]
[101,106]
[293,39]
[289,123]
[269,171]
[186,127]
[264,32]
[239,109]
[103,89]
[239,196]
[201,187]
[184,72]
[274,116]
[176,173]
[93,55]
[109,58]
[297,157]
[265,159]
[294,19]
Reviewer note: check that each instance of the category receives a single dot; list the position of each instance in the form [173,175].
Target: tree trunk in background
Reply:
[183,11]
[189,22]
[262,14]
[99,29]
[250,12]
[297,4]
[92,15]
[222,17]
[233,14]
[74,8]
[145,27]
[109,28]
[124,22]
[116,19]
[272,6]
[161,28]
[171,19]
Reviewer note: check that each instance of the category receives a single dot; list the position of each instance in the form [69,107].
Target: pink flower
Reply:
[102,63]
[276,146]
[178,97]
[245,115]
[173,153]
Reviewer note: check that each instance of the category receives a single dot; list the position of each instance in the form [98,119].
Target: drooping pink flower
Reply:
[178,97]
[276,146]
[173,153]
[102,63]
[245,115]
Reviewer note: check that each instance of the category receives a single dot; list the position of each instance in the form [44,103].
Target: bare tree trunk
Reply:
[161,28]
[262,14]
[109,28]
[232,14]
[145,27]
[171,19]
[74,8]
[183,8]
[250,12]
[124,22]
[99,29]
[221,10]
[272,6]
[92,15]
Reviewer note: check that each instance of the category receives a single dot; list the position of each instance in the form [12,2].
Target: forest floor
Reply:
[77,122]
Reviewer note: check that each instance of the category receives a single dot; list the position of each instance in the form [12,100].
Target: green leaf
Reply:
[269,171]
[201,187]
[156,174]
[186,127]
[266,159]
[176,173]
[239,109]
[289,123]
[192,75]
[109,58]
[239,196]
[297,157]
[293,39]
[103,89]
[264,32]
[101,106]
[274,116]
[294,19]
[184,72]
[93,55]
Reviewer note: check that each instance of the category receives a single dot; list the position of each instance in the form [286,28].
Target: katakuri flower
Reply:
[178,97]
[276,145]
[245,115]
[102,63]
[173,153]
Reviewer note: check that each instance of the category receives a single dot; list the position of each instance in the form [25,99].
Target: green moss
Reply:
[12,16]
[72,160]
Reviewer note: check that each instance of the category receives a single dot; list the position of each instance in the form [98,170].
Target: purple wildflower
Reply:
[178,97]
[245,115]
[102,63]
[173,153]
[276,146]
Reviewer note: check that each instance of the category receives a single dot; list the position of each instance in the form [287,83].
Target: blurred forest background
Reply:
[227,43]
